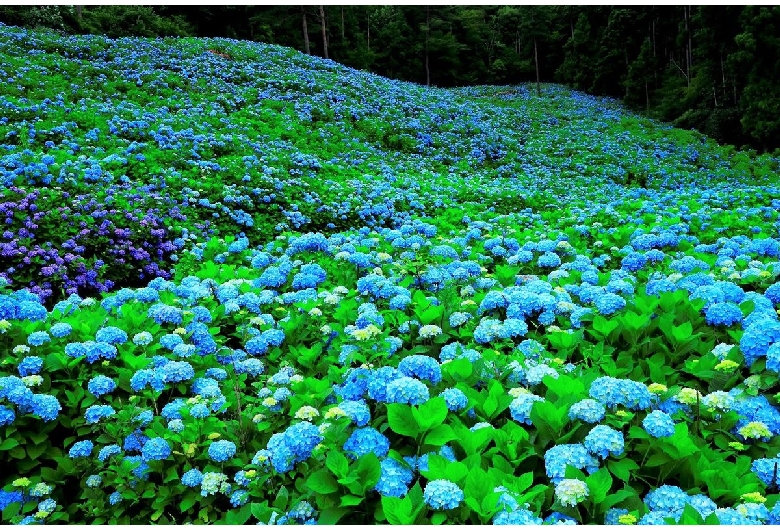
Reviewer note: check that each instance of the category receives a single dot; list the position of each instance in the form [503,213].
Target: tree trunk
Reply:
[342,25]
[305,32]
[536,62]
[368,30]
[654,54]
[78,13]
[687,48]
[324,32]
[427,33]
[647,98]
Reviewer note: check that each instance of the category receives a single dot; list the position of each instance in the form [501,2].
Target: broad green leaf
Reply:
[337,463]
[599,484]
[321,481]
[440,435]
[430,414]
[401,420]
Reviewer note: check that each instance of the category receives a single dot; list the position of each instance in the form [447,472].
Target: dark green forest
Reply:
[715,69]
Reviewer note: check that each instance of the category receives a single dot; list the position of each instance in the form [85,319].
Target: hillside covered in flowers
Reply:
[245,285]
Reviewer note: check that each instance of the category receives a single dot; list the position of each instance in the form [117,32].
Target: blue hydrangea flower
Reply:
[30,366]
[604,441]
[520,407]
[111,335]
[60,330]
[549,260]
[192,478]
[406,390]
[764,468]
[666,498]
[108,451]
[457,319]
[558,457]
[253,367]
[723,314]
[176,426]
[520,516]
[455,398]
[422,367]
[177,371]
[115,498]
[587,410]
[101,385]
[613,392]
[658,424]
[81,449]
[7,416]
[442,495]
[293,445]
[222,450]
[199,411]
[609,303]
[366,440]
[357,411]
[156,449]
[38,338]
[170,341]
[394,479]
[757,338]
[95,413]
[45,406]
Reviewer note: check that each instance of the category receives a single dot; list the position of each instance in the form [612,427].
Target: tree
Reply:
[324,32]
[305,31]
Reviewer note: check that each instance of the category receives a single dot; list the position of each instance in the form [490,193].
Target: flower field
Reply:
[245,285]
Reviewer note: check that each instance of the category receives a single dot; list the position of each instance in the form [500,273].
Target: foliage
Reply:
[374,302]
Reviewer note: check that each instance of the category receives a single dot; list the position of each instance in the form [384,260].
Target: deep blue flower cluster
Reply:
[293,445]
[613,392]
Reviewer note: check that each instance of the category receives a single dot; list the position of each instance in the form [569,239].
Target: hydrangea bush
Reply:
[363,324]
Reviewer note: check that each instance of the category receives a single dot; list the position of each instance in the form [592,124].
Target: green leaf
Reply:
[440,435]
[490,406]
[8,443]
[548,417]
[603,326]
[390,508]
[321,481]
[616,498]
[187,503]
[280,502]
[458,369]
[331,516]
[564,386]
[337,463]
[431,315]
[351,500]
[34,451]
[679,445]
[477,484]
[430,414]
[438,518]
[690,516]
[260,511]
[682,332]
[622,468]
[401,420]
[239,516]
[599,484]
[369,470]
